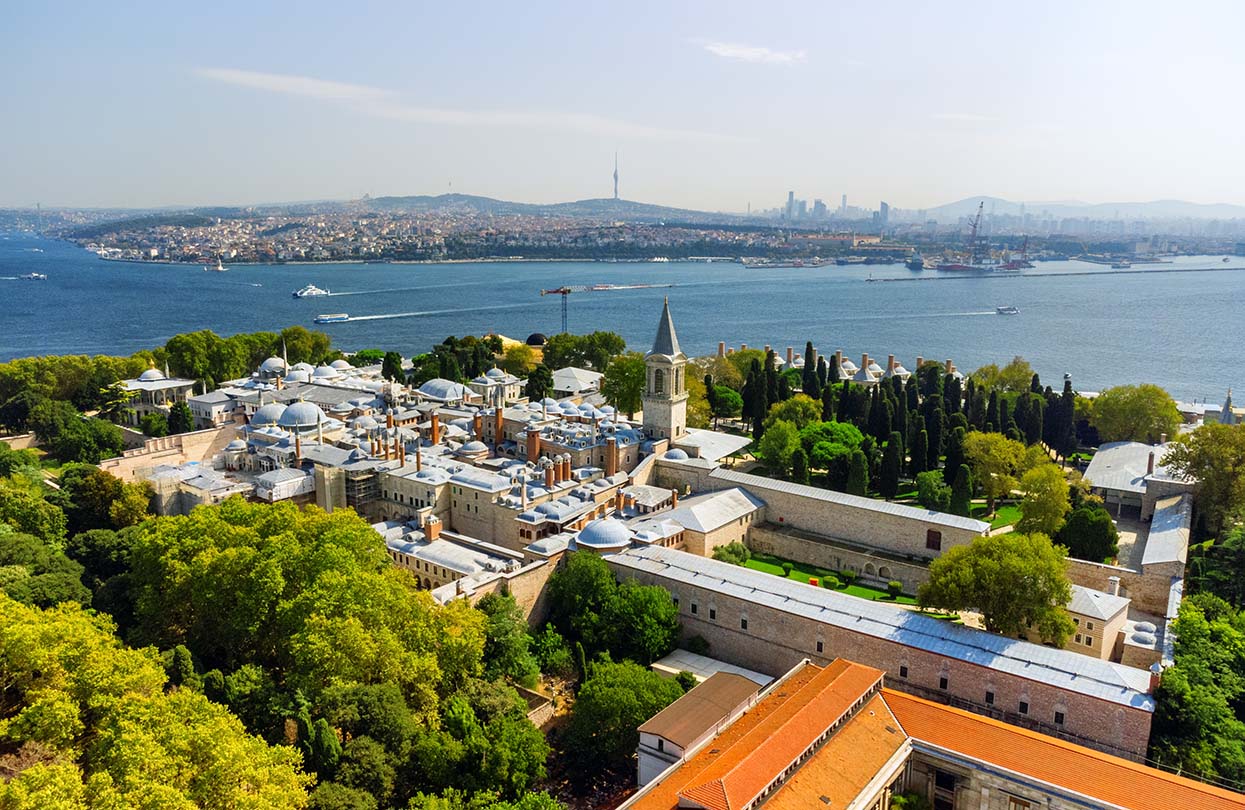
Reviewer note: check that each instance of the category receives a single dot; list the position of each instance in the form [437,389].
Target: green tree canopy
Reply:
[1213,455]
[1044,504]
[1019,583]
[1014,378]
[1090,534]
[995,461]
[612,703]
[539,383]
[1142,413]
[780,440]
[800,411]
[623,384]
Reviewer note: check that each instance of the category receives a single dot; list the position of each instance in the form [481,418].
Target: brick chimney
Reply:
[721,348]
[432,528]
[611,456]
[767,348]
[523,493]
[811,360]
[399,452]
[743,347]
[618,500]
[533,444]
[864,362]
[298,449]
[499,425]
[949,366]
[838,356]
[419,457]
[890,364]
[566,467]
[389,418]
[436,428]
[1150,464]
[1156,676]
[674,499]
[730,350]
[477,425]
[549,475]
[790,356]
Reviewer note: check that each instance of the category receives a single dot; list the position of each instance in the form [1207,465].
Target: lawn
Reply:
[802,573]
[1007,514]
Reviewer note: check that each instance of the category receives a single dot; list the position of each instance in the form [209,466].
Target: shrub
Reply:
[894,588]
[848,577]
[736,553]
[686,680]
[830,581]
[786,569]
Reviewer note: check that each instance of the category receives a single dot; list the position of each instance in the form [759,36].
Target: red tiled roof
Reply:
[1066,765]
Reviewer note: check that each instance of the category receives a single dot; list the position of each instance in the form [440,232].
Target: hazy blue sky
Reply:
[711,105]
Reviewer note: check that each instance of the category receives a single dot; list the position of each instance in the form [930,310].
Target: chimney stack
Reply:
[549,475]
[790,356]
[743,347]
[721,348]
[890,364]
[389,418]
[298,449]
[674,499]
[864,362]
[399,452]
[477,425]
[566,467]
[499,426]
[436,428]
[1113,585]
[730,350]
[1150,464]
[1162,438]
[523,493]
[618,500]
[838,357]
[419,458]
[533,444]
[1156,676]
[432,528]
[811,360]
[611,456]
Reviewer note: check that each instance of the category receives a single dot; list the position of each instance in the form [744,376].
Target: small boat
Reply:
[1121,265]
[1227,259]
[219,268]
[310,291]
[34,276]
[1007,310]
[333,317]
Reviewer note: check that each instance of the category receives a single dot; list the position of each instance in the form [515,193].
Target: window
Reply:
[903,670]
[1017,804]
[944,781]
[1059,718]
[1089,641]
[942,681]
[1089,625]
[661,744]
[743,623]
[989,698]
[694,608]
[1078,638]
[1075,620]
[933,540]
[1024,707]
[820,646]
[713,613]
[675,597]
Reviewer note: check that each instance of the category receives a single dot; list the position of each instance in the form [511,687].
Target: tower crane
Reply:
[565,292]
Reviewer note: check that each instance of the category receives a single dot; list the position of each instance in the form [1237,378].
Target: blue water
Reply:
[1180,330]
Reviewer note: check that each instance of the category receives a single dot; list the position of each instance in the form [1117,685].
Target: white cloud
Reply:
[381,103]
[753,53]
[975,118]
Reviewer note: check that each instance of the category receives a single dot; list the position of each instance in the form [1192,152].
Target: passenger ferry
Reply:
[1007,310]
[310,291]
[334,317]
[34,277]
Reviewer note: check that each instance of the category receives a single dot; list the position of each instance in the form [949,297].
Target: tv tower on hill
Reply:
[616,175]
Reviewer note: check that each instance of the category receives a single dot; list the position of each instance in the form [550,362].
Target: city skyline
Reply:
[709,110]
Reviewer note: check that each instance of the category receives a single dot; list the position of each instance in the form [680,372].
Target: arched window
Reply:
[659,381]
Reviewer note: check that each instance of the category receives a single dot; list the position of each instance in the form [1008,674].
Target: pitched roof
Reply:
[1073,768]
[687,719]
[667,342]
[713,510]
[1096,604]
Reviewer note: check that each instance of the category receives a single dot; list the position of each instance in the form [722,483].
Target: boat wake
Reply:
[392,315]
[405,289]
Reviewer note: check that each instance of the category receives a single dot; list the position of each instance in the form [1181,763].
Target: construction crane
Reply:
[565,293]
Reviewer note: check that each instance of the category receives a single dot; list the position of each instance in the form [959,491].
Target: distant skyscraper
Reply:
[616,175]
[819,209]
[884,214]
[843,205]
[790,204]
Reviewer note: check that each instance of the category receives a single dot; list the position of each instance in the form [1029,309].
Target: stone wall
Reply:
[526,585]
[198,446]
[774,641]
[21,441]
[872,566]
[1150,590]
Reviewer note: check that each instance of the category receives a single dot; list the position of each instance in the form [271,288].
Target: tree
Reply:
[519,359]
[827,403]
[612,703]
[994,461]
[154,424]
[1018,583]
[735,553]
[539,383]
[28,512]
[931,492]
[391,367]
[1214,456]
[1044,504]
[858,474]
[810,383]
[623,384]
[799,466]
[1143,413]
[800,411]
[506,642]
[38,574]
[962,493]
[699,410]
[777,445]
[1013,378]
[727,403]
[919,454]
[116,738]
[1090,534]
[892,461]
[955,455]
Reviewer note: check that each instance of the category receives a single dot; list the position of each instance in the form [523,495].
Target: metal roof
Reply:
[1096,604]
[1168,540]
[1122,466]
[710,444]
[666,342]
[1066,670]
[713,510]
[756,482]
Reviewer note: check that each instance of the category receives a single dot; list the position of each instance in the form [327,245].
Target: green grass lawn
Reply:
[1007,514]
[802,573]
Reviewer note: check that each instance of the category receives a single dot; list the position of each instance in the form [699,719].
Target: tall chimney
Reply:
[618,500]
[549,476]
[674,499]
[730,350]
[477,425]
[399,452]
[419,458]
[811,360]
[566,467]
[949,366]
[389,418]
[721,348]
[1162,438]
[1113,585]
[611,456]
[432,528]
[1150,464]
[1156,676]
[298,449]
[743,347]
[767,348]
[838,357]
[790,356]
[499,426]
[890,364]
[919,362]
[864,362]
[533,443]
[436,428]
[523,493]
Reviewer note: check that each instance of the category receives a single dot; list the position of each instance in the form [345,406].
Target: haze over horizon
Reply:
[711,106]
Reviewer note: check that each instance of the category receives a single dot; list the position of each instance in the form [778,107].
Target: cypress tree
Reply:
[992,411]
[962,492]
[784,389]
[799,466]
[326,750]
[1005,415]
[913,394]
[771,380]
[823,372]
[845,402]
[899,415]
[827,404]
[952,395]
[833,375]
[1036,384]
[933,426]
[955,455]
[919,453]
[892,460]
[809,381]
[1066,435]
[858,474]
[711,395]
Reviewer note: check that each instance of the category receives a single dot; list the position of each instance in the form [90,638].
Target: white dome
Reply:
[474,447]
[364,423]
[340,365]
[549,402]
[325,373]
[676,455]
[151,375]
[302,414]
[604,533]
[297,376]
[236,444]
[269,414]
[272,365]
[307,367]
[495,373]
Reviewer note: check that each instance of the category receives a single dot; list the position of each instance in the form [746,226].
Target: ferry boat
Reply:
[333,317]
[1007,310]
[34,276]
[219,268]
[310,291]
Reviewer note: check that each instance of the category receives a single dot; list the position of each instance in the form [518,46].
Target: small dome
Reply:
[151,375]
[364,423]
[236,445]
[340,365]
[495,373]
[607,409]
[298,376]
[549,402]
[302,414]
[537,339]
[269,414]
[307,367]
[676,455]
[1148,639]
[604,533]
[1145,627]
[474,447]
[325,373]
[273,365]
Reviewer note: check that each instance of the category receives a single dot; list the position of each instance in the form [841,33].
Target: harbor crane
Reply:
[565,292]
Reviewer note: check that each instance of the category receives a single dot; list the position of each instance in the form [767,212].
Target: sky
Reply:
[709,105]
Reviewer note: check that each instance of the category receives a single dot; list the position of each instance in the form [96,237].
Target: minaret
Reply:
[665,389]
[616,175]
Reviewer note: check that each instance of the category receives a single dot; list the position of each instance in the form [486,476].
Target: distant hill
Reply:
[602,208]
[1157,209]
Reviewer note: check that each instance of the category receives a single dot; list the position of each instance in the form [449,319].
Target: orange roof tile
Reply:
[1066,765]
